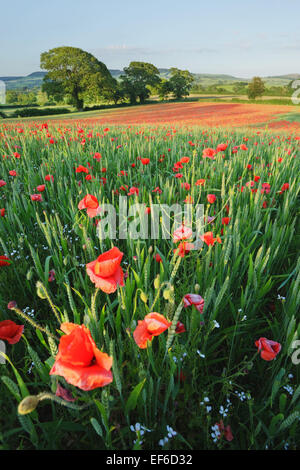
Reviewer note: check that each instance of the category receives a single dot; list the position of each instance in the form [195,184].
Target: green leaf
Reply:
[96,425]
[133,397]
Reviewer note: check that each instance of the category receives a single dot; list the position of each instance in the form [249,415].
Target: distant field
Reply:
[281,117]
[207,114]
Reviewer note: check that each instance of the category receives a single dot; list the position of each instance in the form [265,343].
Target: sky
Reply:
[243,38]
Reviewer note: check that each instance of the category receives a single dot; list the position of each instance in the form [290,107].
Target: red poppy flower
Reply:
[186,186]
[36,197]
[105,272]
[2,183]
[81,169]
[49,178]
[185,160]
[200,182]
[266,188]
[184,248]
[4,261]
[51,277]
[209,153]
[189,200]
[97,156]
[145,161]
[180,328]
[177,166]
[182,233]
[269,349]
[157,258]
[211,198]
[157,190]
[153,325]
[90,203]
[209,239]
[10,331]
[194,299]
[79,360]
[226,220]
[41,188]
[13,173]
[222,147]
[2,212]
[284,187]
[133,190]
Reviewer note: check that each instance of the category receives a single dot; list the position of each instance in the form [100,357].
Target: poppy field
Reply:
[207,114]
[147,343]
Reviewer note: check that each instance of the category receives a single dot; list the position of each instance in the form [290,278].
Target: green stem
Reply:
[33,323]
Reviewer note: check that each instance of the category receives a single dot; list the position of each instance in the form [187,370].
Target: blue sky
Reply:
[237,37]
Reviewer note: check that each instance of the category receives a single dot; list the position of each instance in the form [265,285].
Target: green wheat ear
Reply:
[43,294]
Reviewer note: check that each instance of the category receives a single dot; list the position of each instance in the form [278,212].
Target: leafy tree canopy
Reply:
[181,82]
[136,78]
[255,88]
[74,72]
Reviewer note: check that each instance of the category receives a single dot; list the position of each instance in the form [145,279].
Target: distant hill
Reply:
[35,79]
[291,76]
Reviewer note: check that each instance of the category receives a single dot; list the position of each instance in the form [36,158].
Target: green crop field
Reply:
[120,342]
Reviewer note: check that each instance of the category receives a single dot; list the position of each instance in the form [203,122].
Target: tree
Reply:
[27,98]
[129,89]
[181,82]
[73,72]
[255,88]
[19,97]
[114,92]
[11,97]
[42,98]
[240,87]
[139,75]
[164,88]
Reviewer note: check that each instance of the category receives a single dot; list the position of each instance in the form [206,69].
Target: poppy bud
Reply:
[167,294]
[28,404]
[144,297]
[157,282]
[197,288]
[12,304]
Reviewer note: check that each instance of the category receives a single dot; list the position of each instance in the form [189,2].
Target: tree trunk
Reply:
[78,102]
